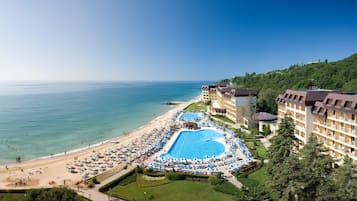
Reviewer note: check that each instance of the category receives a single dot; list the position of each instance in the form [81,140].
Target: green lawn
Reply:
[224,118]
[259,148]
[172,190]
[245,135]
[256,178]
[227,188]
[197,106]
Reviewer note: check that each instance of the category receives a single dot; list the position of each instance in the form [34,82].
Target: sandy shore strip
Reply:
[51,171]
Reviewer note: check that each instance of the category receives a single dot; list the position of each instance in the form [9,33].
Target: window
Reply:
[334,113]
[353,117]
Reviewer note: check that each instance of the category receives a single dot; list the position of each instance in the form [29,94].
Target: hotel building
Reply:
[330,116]
[298,106]
[239,105]
[335,124]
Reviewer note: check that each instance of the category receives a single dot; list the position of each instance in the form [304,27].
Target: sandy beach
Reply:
[51,171]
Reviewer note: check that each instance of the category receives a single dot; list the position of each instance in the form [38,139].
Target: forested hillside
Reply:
[339,75]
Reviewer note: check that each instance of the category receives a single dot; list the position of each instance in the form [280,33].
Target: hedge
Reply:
[115,182]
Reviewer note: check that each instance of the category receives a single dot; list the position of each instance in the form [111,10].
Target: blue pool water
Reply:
[190,116]
[196,144]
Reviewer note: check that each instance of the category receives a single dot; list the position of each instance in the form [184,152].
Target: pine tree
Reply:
[282,176]
[282,144]
[341,184]
[309,171]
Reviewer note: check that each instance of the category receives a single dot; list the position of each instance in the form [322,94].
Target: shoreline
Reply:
[100,143]
[53,168]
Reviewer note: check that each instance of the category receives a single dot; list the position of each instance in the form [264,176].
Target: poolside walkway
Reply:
[234,181]
[231,178]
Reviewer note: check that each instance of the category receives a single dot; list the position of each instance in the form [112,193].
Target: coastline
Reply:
[53,168]
[100,143]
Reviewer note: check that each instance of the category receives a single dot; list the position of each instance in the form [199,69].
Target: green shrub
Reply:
[139,170]
[91,185]
[120,181]
[95,180]
[127,180]
[148,170]
[214,180]
[58,194]
[174,176]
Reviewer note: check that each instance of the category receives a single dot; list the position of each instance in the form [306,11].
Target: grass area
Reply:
[258,148]
[197,106]
[12,196]
[245,135]
[256,178]
[227,188]
[161,189]
[224,118]
[147,181]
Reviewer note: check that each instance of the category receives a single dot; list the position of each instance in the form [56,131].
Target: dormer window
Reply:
[329,101]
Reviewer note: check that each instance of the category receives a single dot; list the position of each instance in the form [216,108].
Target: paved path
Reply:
[235,181]
[231,178]
[94,194]
[265,142]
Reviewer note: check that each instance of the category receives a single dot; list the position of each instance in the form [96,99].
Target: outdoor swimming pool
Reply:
[190,116]
[196,144]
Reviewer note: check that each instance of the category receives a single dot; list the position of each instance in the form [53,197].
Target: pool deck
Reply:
[173,138]
[228,175]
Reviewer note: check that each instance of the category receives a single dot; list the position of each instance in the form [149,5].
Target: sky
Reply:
[169,40]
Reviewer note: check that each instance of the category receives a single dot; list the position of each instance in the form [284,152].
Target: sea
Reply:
[40,119]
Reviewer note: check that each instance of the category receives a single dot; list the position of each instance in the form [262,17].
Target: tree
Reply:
[53,194]
[341,184]
[316,168]
[301,175]
[252,194]
[340,75]
[283,175]
[266,130]
[282,144]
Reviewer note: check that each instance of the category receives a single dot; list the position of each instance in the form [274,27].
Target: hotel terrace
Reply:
[330,116]
[239,105]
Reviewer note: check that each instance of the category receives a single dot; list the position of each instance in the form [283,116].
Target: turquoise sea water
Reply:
[196,144]
[40,119]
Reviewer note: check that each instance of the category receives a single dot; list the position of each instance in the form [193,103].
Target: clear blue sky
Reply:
[169,39]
